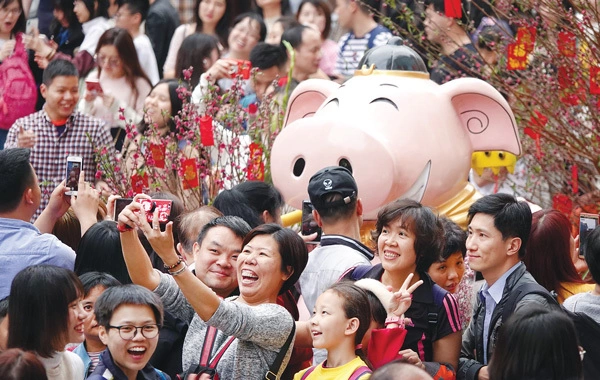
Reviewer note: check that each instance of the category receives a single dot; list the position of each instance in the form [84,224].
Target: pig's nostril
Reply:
[299,167]
[346,164]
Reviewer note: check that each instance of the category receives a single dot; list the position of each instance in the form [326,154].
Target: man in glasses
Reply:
[130,318]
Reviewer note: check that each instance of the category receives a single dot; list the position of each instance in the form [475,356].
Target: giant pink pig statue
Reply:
[401,134]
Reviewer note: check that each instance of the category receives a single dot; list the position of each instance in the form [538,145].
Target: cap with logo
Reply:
[332,179]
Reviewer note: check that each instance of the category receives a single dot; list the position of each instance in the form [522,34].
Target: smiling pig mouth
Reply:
[417,190]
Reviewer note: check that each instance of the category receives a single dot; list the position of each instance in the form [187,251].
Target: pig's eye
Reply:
[334,101]
[385,100]
[299,167]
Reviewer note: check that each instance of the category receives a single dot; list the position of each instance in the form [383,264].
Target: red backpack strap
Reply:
[215,360]
[359,372]
[308,372]
[209,341]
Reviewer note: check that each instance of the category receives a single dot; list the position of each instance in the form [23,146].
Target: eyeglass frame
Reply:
[110,61]
[12,12]
[140,328]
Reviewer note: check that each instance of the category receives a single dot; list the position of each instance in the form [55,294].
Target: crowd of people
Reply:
[221,290]
[91,287]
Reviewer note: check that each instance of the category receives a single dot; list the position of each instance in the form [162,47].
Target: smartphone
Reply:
[163,206]
[120,204]
[587,223]
[241,67]
[93,86]
[309,225]
[72,178]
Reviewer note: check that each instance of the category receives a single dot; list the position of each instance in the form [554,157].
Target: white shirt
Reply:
[92,31]
[147,58]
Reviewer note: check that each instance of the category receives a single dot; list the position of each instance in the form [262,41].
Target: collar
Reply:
[347,242]
[47,117]
[115,372]
[497,288]
[17,223]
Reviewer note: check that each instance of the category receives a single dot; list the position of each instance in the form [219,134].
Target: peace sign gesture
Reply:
[402,299]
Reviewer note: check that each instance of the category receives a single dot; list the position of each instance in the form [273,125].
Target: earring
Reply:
[205,63]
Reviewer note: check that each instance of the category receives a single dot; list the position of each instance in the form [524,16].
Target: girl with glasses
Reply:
[123,84]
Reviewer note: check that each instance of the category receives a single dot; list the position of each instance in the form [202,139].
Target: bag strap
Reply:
[207,346]
[308,372]
[518,293]
[276,366]
[363,369]
[213,363]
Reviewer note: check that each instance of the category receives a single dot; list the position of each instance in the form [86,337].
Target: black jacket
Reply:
[471,355]
[161,23]
[107,370]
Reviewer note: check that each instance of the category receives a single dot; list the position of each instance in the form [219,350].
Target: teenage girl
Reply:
[338,324]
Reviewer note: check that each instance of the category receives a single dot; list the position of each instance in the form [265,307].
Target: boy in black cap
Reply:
[338,211]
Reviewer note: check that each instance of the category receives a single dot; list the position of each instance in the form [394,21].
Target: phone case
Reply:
[163,206]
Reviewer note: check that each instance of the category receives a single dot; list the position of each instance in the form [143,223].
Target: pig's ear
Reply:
[307,98]
[485,115]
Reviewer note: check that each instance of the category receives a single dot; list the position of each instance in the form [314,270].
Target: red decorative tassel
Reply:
[190,174]
[453,8]
[207,137]
[574,179]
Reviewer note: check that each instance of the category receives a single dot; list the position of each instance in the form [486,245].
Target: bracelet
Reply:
[122,227]
[169,267]
[179,271]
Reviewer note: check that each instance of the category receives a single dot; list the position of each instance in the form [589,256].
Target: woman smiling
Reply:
[256,332]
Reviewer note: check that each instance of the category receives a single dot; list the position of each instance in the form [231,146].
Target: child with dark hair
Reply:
[16,364]
[130,318]
[94,284]
[339,323]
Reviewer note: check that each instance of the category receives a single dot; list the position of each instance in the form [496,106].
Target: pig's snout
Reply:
[308,145]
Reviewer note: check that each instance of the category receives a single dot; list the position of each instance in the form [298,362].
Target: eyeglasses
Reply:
[128,332]
[12,12]
[112,62]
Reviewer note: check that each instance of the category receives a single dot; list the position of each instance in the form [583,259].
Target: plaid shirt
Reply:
[49,155]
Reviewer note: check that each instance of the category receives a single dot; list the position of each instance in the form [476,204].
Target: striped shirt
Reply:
[49,155]
[353,48]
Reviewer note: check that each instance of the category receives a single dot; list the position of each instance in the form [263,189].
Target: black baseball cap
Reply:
[332,179]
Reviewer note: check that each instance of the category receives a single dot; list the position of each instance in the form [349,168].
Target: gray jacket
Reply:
[471,355]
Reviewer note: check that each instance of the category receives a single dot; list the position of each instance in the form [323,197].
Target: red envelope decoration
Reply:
[190,173]
[256,167]
[207,137]
[157,152]
[517,57]
[595,79]
[526,37]
[453,8]
[567,45]
[139,183]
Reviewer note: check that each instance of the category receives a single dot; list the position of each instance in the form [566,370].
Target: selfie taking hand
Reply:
[85,203]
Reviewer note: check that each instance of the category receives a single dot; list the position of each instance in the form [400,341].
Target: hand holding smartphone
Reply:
[309,225]
[94,87]
[587,223]
[72,176]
